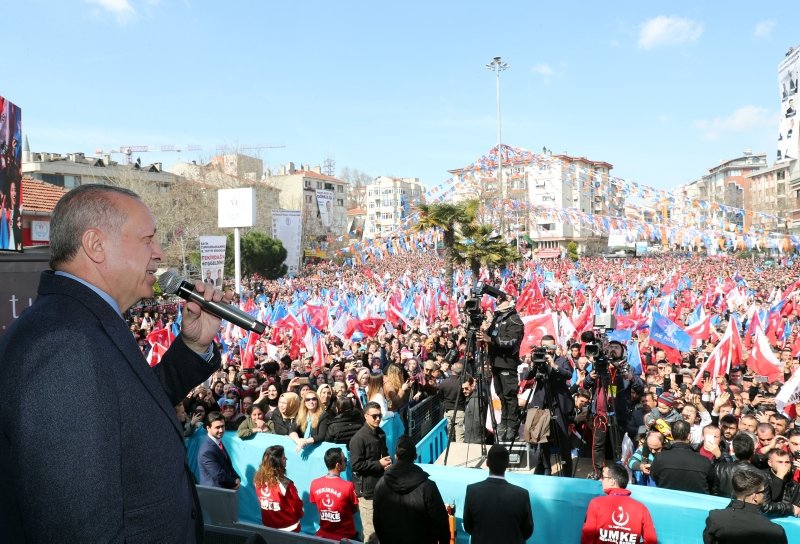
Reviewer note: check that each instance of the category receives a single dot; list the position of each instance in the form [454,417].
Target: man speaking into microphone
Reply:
[115,469]
[503,338]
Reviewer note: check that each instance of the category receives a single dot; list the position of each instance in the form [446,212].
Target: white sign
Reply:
[287,227]
[788,147]
[212,259]
[40,231]
[236,207]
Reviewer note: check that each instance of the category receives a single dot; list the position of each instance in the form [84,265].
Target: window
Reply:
[319,185]
[340,189]
[308,199]
[340,202]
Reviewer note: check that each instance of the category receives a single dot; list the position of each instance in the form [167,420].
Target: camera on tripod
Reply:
[604,352]
[472,306]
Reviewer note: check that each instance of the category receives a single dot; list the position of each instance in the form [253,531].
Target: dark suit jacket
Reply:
[497,511]
[90,446]
[215,466]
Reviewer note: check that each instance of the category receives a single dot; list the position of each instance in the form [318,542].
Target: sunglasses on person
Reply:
[311,399]
[375,416]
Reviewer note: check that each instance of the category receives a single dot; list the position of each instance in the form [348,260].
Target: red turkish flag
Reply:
[370,326]
[763,361]
[536,326]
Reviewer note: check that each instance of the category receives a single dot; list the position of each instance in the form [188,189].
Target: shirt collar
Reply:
[102,294]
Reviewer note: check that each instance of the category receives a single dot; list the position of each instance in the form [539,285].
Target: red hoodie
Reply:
[617,519]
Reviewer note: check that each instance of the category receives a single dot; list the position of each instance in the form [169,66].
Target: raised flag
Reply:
[667,333]
[763,361]
[536,326]
[789,394]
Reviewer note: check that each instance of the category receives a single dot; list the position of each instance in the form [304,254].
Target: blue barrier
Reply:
[301,468]
[559,504]
[433,444]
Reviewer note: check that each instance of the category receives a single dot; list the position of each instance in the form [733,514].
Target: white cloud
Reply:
[744,119]
[121,9]
[764,29]
[544,70]
[665,31]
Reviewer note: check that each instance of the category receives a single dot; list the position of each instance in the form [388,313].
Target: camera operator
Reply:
[622,382]
[552,376]
[503,337]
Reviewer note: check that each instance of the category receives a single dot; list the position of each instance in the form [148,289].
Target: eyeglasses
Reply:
[375,416]
[311,399]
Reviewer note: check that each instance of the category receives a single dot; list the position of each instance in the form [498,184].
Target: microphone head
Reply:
[170,281]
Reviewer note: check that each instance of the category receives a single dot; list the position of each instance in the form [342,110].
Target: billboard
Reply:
[287,227]
[621,238]
[236,208]
[10,176]
[212,259]
[325,207]
[787,124]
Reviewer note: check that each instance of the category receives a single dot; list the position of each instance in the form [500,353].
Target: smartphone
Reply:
[659,390]
[710,442]
[303,381]
[679,380]
[667,384]
[706,375]
[761,379]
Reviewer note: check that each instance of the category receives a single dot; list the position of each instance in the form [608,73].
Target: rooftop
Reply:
[39,196]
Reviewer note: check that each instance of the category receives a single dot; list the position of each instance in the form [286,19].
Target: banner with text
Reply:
[287,227]
[325,205]
[788,147]
[212,259]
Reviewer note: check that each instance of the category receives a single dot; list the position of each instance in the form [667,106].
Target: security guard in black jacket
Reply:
[503,338]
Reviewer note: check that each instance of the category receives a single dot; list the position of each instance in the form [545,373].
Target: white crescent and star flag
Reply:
[536,326]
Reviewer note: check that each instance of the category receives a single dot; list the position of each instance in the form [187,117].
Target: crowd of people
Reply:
[704,399]
[672,425]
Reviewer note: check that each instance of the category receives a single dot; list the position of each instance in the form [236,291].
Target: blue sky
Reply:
[663,91]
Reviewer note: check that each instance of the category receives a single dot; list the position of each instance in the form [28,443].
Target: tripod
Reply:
[605,421]
[474,366]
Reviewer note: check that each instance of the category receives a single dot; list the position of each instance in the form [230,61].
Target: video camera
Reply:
[472,306]
[603,351]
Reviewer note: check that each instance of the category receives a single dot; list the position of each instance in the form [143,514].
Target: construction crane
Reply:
[129,150]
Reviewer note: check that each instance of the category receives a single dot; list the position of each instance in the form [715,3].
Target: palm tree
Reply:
[482,245]
[448,217]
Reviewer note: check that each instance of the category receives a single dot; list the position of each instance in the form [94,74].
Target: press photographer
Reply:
[612,381]
[550,399]
[503,336]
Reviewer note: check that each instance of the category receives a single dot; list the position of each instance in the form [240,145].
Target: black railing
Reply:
[423,417]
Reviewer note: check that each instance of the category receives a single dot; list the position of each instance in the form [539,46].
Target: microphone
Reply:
[173,284]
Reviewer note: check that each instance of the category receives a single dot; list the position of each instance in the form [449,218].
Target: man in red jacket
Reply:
[617,518]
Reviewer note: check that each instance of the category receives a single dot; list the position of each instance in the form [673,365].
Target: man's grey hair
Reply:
[84,207]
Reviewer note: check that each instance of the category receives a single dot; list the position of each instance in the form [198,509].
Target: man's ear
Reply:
[93,243]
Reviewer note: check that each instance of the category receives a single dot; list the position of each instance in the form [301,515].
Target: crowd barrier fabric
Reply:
[301,468]
[558,504]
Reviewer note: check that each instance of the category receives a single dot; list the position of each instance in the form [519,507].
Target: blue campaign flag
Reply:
[634,359]
[669,334]
[694,317]
[622,336]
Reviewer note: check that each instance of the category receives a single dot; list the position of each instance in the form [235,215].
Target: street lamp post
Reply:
[498,65]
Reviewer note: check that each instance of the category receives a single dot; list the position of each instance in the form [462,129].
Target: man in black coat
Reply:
[408,505]
[723,472]
[495,510]
[742,522]
[369,458]
[453,402]
[681,468]
[503,339]
[124,477]
[552,379]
